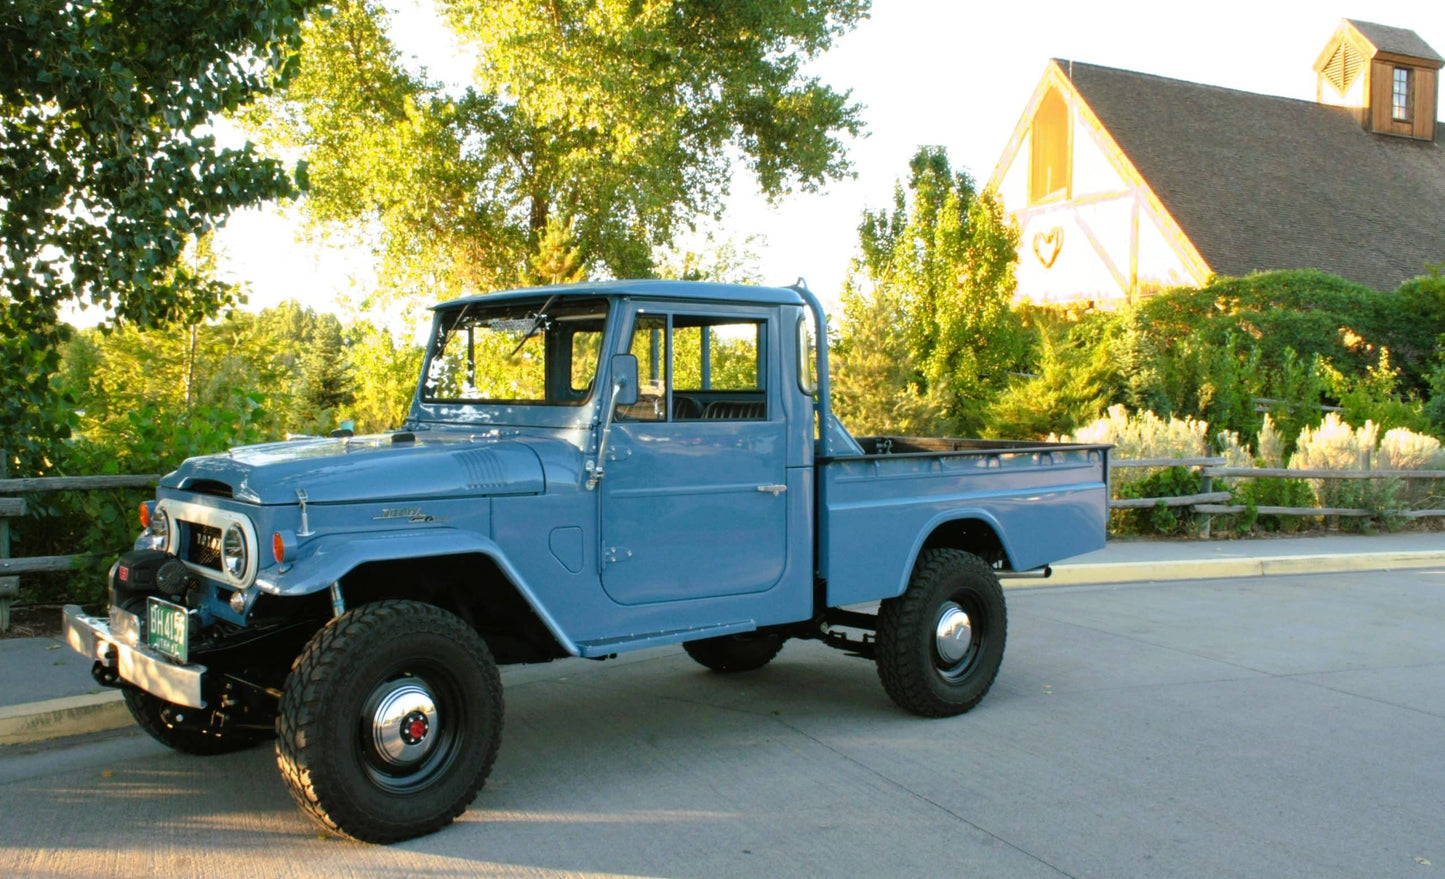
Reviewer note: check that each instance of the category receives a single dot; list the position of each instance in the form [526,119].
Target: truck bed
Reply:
[1020,505]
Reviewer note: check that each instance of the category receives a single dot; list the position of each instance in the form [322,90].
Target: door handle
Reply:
[774,489]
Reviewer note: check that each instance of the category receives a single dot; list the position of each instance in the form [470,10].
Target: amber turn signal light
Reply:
[283,546]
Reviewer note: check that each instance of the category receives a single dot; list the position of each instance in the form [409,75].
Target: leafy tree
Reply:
[1434,408]
[385,372]
[107,170]
[941,264]
[722,260]
[325,380]
[1078,378]
[593,126]
[1374,396]
[1289,341]
[1309,313]
[875,377]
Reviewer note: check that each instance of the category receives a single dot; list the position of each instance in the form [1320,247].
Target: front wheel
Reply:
[940,643]
[390,721]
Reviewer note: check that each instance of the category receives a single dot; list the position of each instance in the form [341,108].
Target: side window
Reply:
[586,344]
[699,368]
[712,354]
[718,368]
[649,345]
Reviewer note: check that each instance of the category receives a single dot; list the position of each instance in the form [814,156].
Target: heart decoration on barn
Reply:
[1047,245]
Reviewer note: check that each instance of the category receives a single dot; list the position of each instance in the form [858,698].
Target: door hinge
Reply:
[774,489]
[614,554]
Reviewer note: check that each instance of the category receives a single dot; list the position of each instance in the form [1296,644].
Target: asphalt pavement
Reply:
[1253,726]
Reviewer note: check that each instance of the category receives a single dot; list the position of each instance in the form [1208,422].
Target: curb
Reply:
[68,716]
[1210,569]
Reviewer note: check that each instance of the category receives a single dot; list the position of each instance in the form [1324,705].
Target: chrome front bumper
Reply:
[136,663]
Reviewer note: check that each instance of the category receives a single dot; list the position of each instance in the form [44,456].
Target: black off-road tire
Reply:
[151,712]
[350,768]
[734,653]
[912,664]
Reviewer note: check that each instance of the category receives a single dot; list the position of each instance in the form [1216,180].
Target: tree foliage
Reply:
[592,127]
[1307,312]
[937,271]
[1077,377]
[107,171]
[1287,342]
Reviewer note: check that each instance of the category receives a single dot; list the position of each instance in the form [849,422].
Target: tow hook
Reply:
[104,670]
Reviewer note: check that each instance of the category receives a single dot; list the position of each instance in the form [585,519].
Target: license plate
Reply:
[168,628]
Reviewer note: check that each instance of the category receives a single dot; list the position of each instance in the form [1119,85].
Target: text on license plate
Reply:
[167,628]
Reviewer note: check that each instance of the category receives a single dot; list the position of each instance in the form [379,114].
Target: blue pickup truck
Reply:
[585,470]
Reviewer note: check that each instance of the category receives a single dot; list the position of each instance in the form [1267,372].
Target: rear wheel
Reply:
[390,721]
[940,643]
[172,726]
[733,653]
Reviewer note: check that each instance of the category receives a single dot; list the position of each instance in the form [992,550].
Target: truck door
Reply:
[694,504]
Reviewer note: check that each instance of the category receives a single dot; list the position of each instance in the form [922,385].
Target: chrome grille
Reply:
[203,545]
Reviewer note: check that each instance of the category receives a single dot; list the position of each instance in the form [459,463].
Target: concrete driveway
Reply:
[1271,727]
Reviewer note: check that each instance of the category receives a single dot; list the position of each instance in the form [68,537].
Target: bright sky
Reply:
[954,73]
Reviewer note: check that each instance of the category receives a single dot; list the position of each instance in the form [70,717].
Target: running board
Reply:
[610,646]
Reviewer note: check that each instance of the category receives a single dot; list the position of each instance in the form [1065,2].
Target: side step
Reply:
[608,646]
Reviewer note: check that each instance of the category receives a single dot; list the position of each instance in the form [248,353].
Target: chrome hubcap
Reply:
[404,721]
[954,634]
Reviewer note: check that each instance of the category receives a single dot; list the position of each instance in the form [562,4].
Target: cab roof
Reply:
[645,289]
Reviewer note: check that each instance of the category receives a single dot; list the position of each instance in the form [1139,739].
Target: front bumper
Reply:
[136,664]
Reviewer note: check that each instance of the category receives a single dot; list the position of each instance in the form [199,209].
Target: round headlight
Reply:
[233,551]
[160,527]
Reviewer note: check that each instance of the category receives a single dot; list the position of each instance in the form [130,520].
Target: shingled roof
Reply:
[1395,40]
[1259,182]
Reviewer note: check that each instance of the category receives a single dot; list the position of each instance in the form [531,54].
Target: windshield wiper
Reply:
[536,324]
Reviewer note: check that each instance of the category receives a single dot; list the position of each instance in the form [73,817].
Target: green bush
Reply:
[105,523]
[1159,519]
[1271,491]
[1297,338]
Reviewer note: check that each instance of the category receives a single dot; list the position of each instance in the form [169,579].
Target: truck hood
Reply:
[366,468]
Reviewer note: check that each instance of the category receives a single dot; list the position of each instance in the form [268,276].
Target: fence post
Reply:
[1206,485]
[9,586]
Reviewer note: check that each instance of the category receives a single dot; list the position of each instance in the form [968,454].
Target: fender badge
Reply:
[411,514]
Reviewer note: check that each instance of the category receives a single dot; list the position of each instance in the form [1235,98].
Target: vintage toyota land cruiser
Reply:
[585,470]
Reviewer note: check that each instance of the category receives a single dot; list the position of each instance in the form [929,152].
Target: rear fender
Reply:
[925,535]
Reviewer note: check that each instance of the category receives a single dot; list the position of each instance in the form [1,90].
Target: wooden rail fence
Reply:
[16,508]
[1208,503]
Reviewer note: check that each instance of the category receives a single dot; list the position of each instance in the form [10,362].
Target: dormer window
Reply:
[1400,97]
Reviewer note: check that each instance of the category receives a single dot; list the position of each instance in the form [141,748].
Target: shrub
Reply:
[1334,445]
[1374,396]
[1144,435]
[1077,374]
[1159,519]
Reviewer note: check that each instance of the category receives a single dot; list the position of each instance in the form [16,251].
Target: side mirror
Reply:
[624,379]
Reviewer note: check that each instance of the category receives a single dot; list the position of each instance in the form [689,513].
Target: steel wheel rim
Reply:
[409,729]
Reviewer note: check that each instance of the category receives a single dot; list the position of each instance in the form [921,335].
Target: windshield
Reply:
[544,351]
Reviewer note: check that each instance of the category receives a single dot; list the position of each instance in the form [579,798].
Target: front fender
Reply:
[330,558]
